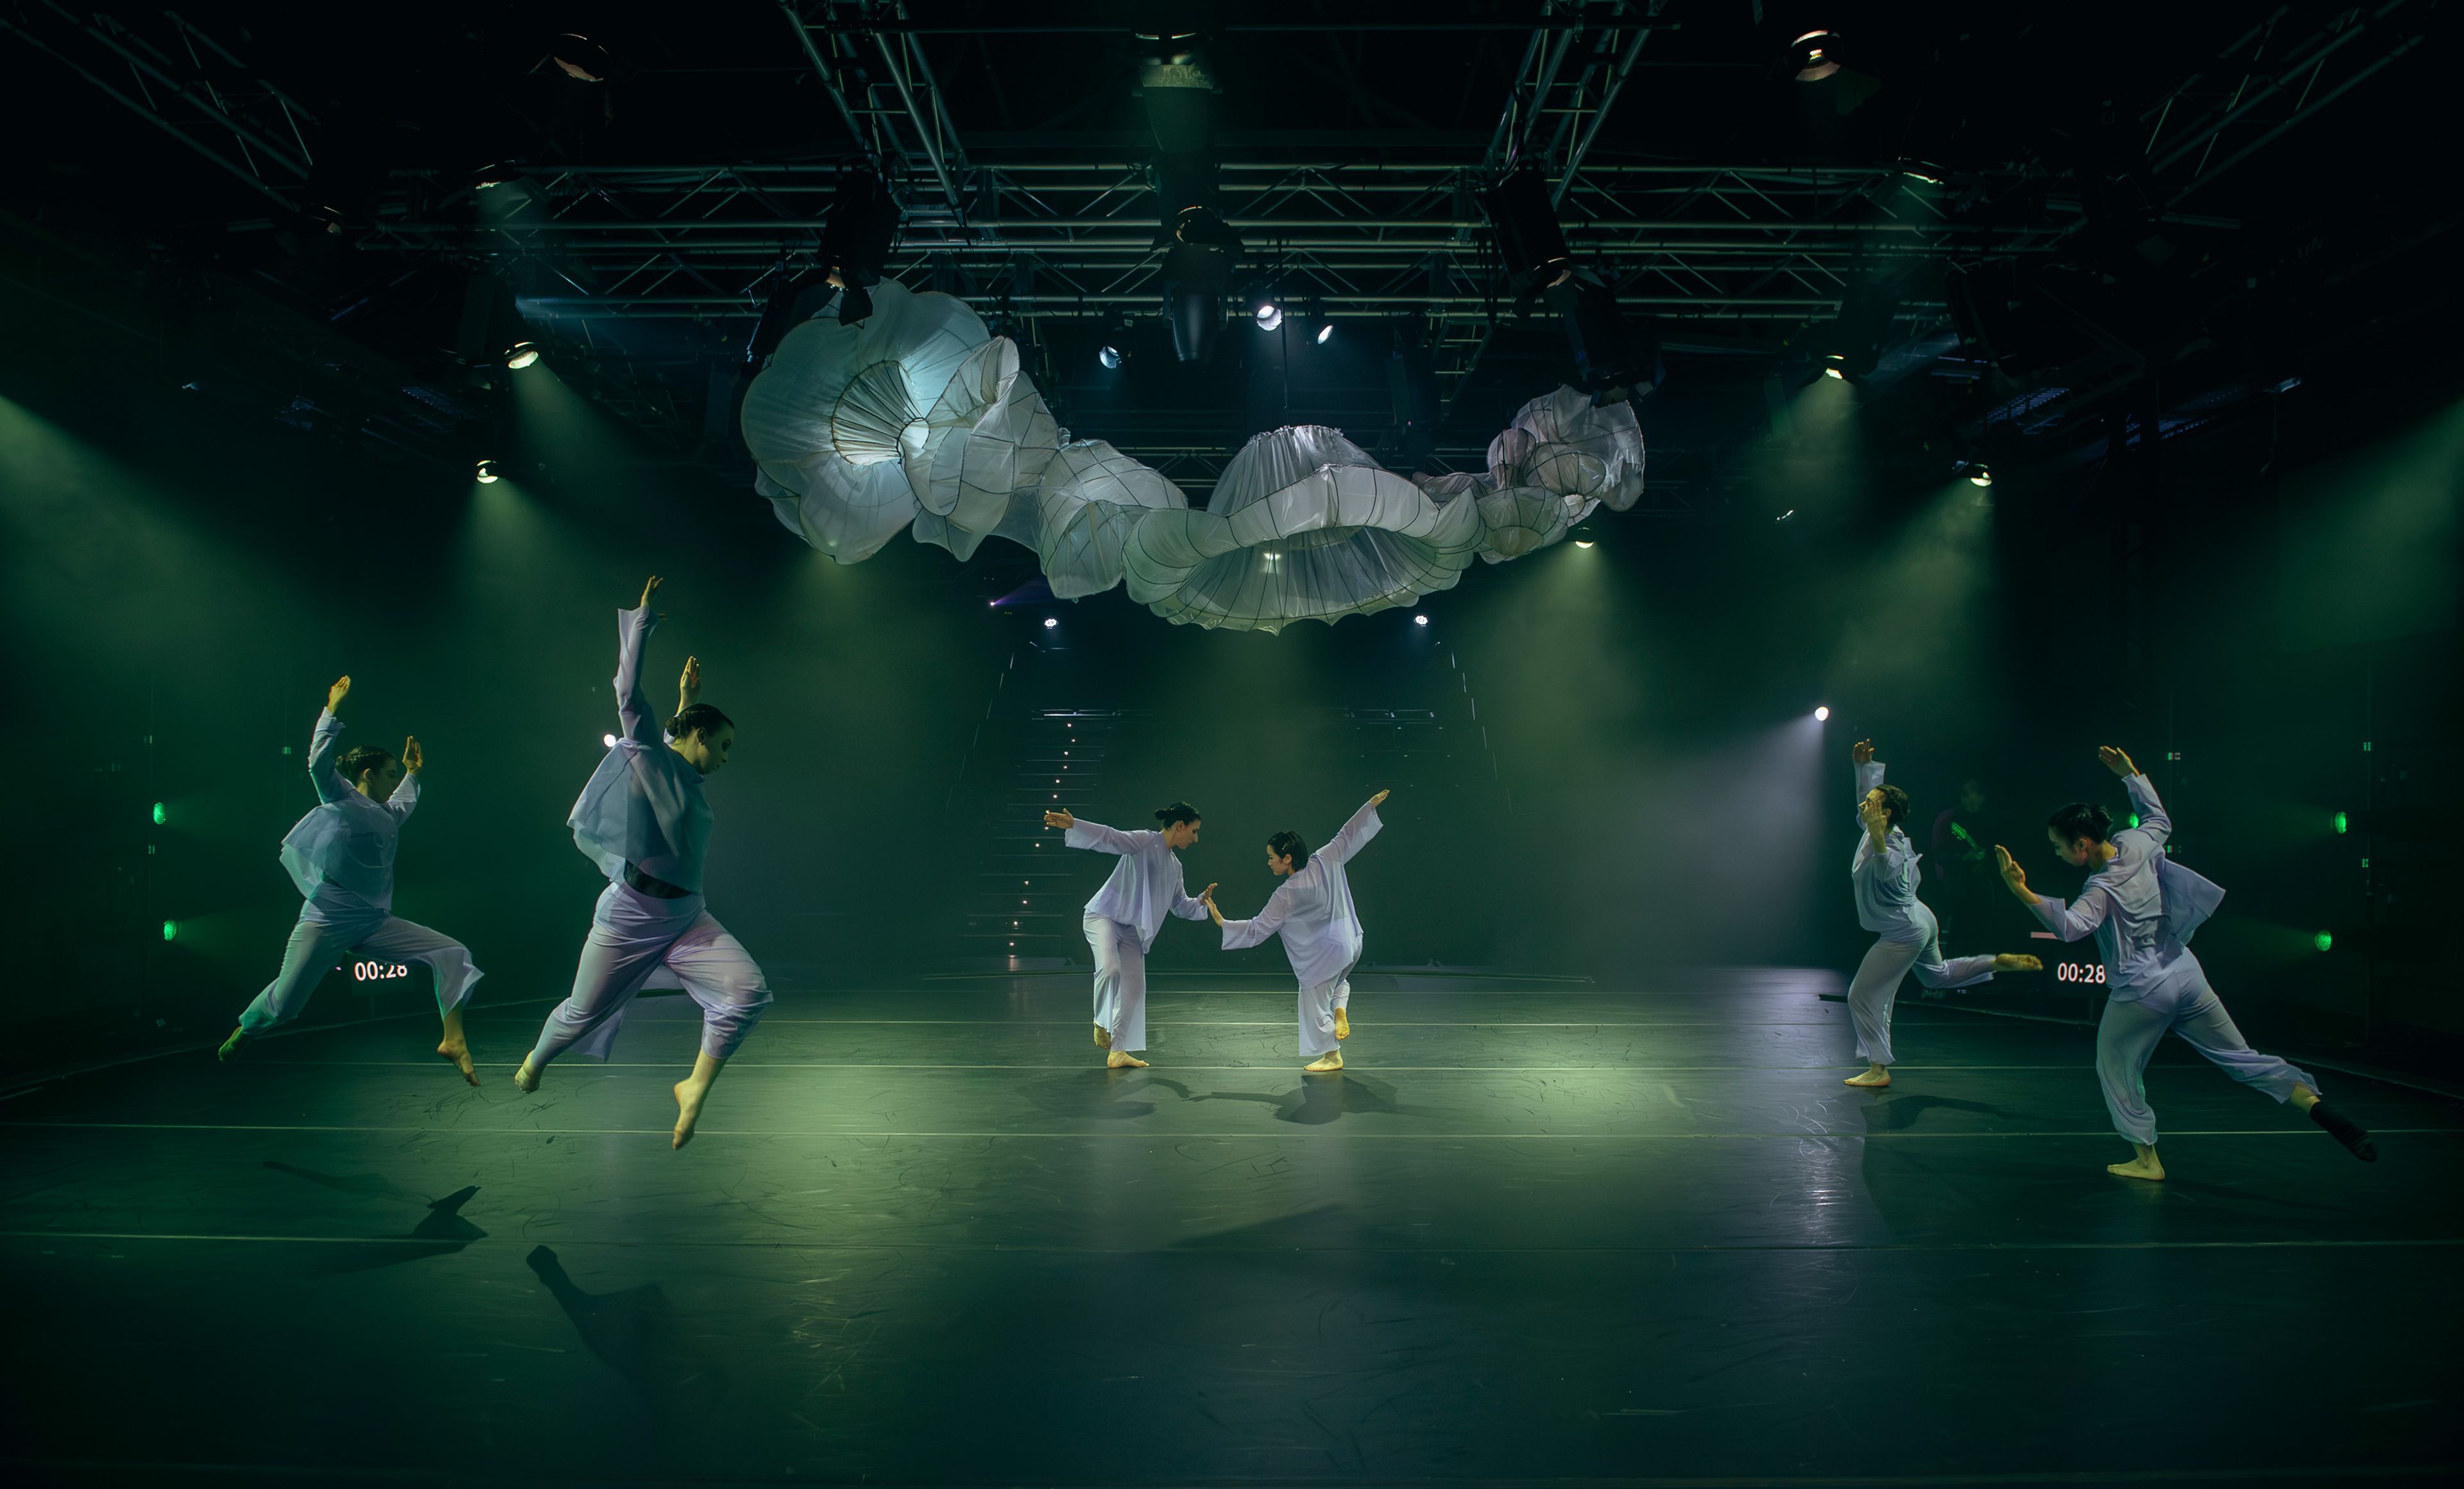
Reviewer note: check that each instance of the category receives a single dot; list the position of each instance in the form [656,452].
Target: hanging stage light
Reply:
[1178,87]
[1110,355]
[521,354]
[1269,314]
[1051,621]
[856,240]
[1822,715]
[1979,476]
[1609,358]
[1812,54]
[486,474]
[1324,331]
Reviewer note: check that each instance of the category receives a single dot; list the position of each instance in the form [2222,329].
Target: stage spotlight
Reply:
[1270,315]
[1979,476]
[171,930]
[856,240]
[2323,940]
[1582,543]
[1822,715]
[1812,54]
[1110,355]
[163,814]
[521,354]
[1834,372]
[1419,620]
[1324,331]
[2340,820]
[608,741]
[1050,621]
[1785,515]
[486,474]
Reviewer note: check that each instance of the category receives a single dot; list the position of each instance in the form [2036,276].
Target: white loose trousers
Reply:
[1875,987]
[1120,982]
[2131,1029]
[1317,1016]
[638,940]
[324,936]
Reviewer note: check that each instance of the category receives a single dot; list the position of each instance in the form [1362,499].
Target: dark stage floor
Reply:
[1607,1236]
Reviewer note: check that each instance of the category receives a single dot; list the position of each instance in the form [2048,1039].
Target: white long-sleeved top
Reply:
[1887,881]
[340,854]
[2142,907]
[643,804]
[1146,885]
[1313,910]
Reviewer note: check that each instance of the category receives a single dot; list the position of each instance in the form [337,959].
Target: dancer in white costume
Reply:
[2143,909]
[643,821]
[1312,911]
[1122,919]
[340,855]
[1884,871]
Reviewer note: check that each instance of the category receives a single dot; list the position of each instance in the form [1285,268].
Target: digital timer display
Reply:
[378,971]
[2079,971]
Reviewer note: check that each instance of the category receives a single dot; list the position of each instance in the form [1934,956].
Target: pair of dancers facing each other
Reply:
[2141,908]
[1311,911]
[642,818]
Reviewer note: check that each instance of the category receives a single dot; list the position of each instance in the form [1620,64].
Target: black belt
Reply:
[656,889]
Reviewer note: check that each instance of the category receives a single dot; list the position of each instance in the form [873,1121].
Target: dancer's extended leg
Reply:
[1343,1009]
[314,948]
[1870,995]
[1121,990]
[721,975]
[2207,1027]
[629,940]
[448,963]
[2125,1037]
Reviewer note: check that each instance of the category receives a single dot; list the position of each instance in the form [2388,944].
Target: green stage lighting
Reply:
[2341,823]
[171,930]
[163,814]
[2323,940]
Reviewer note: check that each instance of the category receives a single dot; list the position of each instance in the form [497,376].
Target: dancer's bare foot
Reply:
[1102,1037]
[1342,1025]
[689,1100]
[1332,1060]
[1874,1079]
[527,1077]
[1123,1060]
[2014,961]
[2143,1167]
[456,1048]
[231,1046]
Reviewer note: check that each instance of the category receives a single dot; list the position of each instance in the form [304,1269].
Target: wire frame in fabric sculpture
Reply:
[1091,498]
[988,441]
[840,414]
[1303,526]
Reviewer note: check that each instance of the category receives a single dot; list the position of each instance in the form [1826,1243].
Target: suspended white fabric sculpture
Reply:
[988,439]
[1092,495]
[1303,526]
[914,416]
[839,410]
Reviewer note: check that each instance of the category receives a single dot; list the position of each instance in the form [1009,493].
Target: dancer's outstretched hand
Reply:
[2116,761]
[1863,752]
[1379,798]
[335,694]
[2012,873]
[1207,894]
[648,588]
[688,685]
[411,759]
[1062,820]
[2014,961]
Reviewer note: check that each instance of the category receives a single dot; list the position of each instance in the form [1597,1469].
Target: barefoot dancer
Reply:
[341,856]
[642,818]
[1312,911]
[1122,918]
[1884,870]
[2143,909]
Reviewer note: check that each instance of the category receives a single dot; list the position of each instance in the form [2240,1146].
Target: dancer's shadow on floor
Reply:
[1891,1113]
[1101,1094]
[638,1334]
[1321,1099]
[440,1233]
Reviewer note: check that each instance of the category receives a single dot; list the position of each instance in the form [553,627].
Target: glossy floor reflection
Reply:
[1637,1236]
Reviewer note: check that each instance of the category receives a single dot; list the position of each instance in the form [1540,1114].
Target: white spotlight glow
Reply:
[1822,715]
[522,355]
[1419,620]
[1051,622]
[1582,543]
[486,474]
[1269,315]
[609,740]
[1324,331]
[1111,357]
[1834,372]
[1978,475]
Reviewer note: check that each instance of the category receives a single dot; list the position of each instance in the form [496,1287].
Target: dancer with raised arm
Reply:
[1884,871]
[1122,918]
[643,821]
[2143,909]
[1312,911]
[340,855]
